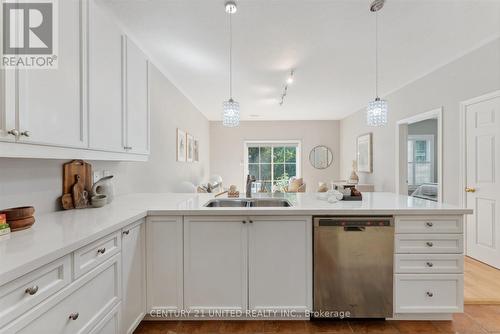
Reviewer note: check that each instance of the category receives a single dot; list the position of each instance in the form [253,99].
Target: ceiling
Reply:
[329,43]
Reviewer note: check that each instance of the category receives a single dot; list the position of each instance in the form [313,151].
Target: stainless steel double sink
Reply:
[248,203]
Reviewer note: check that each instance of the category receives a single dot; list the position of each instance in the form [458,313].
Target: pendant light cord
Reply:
[230,56]
[376,54]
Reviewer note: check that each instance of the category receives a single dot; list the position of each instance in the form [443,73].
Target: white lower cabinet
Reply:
[75,309]
[429,293]
[428,265]
[133,276]
[215,263]
[280,263]
[240,263]
[110,324]
[164,269]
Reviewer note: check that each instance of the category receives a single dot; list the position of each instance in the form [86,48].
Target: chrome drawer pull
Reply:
[32,290]
[429,243]
[429,294]
[74,316]
[101,250]
[430,264]
[429,224]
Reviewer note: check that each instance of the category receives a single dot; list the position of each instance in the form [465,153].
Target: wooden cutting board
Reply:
[73,168]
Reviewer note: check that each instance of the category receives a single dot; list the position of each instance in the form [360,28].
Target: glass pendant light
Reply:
[377,110]
[231,108]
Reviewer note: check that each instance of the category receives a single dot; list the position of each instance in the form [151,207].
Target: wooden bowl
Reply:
[19,213]
[21,224]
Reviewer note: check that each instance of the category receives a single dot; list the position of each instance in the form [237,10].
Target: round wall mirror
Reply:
[321,157]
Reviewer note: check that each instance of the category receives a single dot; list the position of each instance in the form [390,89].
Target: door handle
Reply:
[470,190]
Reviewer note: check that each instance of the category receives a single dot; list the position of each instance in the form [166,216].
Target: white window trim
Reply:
[274,143]
[431,139]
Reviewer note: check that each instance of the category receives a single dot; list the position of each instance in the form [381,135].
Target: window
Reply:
[272,163]
[420,160]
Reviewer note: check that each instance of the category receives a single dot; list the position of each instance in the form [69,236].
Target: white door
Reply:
[215,263]
[106,120]
[133,277]
[51,104]
[483,179]
[137,99]
[280,263]
[164,263]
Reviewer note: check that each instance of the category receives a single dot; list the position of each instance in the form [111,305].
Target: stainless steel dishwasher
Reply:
[353,266]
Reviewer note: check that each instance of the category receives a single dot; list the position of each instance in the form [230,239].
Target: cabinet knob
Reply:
[244,221]
[101,250]
[25,133]
[429,294]
[126,232]
[429,243]
[31,290]
[250,221]
[429,224]
[74,316]
[470,190]
[430,264]
[13,132]
[127,147]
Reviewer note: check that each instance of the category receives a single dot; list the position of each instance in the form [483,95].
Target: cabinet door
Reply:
[215,263]
[52,102]
[7,105]
[106,122]
[137,99]
[280,263]
[133,278]
[164,263]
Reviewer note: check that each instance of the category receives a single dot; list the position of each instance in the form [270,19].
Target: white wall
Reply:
[226,147]
[38,182]
[474,74]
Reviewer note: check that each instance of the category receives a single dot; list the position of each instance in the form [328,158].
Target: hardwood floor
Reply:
[482,283]
[475,319]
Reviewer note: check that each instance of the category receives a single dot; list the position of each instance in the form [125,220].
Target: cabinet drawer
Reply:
[92,255]
[110,324]
[429,243]
[451,224]
[77,309]
[429,263]
[22,294]
[422,293]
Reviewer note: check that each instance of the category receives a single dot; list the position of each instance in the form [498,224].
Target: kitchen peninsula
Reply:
[169,252]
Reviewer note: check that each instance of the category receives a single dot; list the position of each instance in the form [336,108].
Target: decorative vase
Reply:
[104,187]
[354,178]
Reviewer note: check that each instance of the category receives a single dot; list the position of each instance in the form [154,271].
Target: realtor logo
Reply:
[29,34]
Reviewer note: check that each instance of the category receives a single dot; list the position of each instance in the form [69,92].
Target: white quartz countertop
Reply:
[59,233]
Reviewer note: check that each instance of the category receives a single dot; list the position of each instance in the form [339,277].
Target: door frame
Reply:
[402,132]
[463,150]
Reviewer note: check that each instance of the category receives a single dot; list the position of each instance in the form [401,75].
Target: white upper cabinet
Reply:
[94,106]
[52,108]
[136,99]
[106,120]
[7,105]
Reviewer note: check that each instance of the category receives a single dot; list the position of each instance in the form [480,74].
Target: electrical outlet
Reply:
[96,175]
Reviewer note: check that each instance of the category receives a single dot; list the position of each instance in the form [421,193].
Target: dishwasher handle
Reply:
[354,228]
[353,224]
